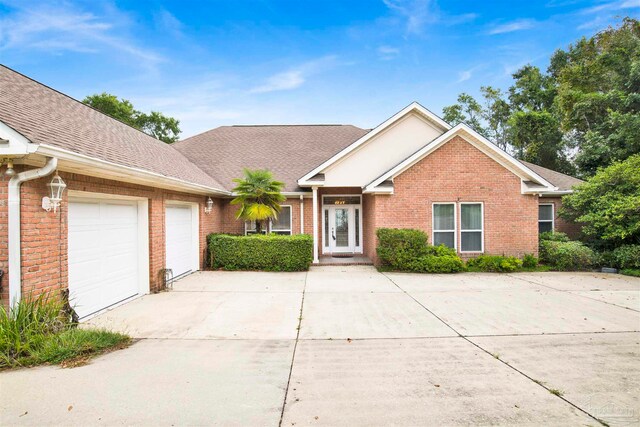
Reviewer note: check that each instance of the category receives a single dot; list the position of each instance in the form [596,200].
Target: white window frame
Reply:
[481,251]
[290,229]
[553,216]
[455,223]
[248,230]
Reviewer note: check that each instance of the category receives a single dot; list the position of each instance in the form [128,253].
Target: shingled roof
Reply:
[560,180]
[46,116]
[289,151]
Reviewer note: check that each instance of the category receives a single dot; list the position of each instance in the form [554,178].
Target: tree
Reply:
[467,110]
[156,124]
[608,205]
[496,114]
[599,94]
[259,196]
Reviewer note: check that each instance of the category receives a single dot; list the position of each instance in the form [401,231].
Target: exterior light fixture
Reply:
[56,188]
[209,207]
[10,171]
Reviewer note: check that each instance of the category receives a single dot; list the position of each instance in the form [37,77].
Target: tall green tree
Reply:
[156,124]
[467,110]
[259,197]
[599,94]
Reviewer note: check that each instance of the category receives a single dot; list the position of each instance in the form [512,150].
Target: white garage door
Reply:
[103,253]
[181,239]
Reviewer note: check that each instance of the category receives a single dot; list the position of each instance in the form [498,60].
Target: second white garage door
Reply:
[181,230]
[105,247]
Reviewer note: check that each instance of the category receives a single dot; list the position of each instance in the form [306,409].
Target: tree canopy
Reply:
[581,114]
[156,124]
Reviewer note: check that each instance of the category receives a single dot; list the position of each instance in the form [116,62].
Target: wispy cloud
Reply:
[166,21]
[418,14]
[295,77]
[56,29]
[465,75]
[612,6]
[509,27]
[387,53]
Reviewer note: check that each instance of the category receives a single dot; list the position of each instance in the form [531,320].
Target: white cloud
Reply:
[295,77]
[387,53]
[465,75]
[169,23]
[56,29]
[509,27]
[417,13]
[611,6]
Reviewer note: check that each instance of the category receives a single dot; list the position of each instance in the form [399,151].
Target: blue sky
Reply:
[256,62]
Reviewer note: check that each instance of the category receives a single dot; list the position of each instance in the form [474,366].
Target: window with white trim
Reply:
[250,228]
[282,224]
[545,217]
[444,224]
[471,227]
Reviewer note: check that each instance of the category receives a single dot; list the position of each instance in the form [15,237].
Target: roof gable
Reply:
[478,141]
[413,108]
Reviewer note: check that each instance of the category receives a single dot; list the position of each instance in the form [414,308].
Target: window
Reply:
[250,228]
[282,225]
[471,227]
[545,218]
[444,224]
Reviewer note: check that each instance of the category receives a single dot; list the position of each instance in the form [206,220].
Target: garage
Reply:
[108,251]
[182,243]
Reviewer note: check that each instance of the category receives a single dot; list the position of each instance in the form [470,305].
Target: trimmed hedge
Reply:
[409,250]
[270,252]
[555,236]
[495,263]
[567,256]
[627,256]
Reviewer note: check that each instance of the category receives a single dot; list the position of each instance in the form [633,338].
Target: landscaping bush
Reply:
[37,331]
[270,252]
[409,250]
[555,236]
[436,264]
[627,256]
[529,261]
[568,256]
[494,263]
[397,247]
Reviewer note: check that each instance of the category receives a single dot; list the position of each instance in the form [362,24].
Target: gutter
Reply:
[15,267]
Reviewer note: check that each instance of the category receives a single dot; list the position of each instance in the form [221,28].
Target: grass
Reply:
[556,392]
[631,272]
[36,331]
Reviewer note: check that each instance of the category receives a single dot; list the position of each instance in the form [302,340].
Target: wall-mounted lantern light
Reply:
[10,171]
[56,188]
[209,207]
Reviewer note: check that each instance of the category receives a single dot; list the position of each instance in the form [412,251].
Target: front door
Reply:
[341,224]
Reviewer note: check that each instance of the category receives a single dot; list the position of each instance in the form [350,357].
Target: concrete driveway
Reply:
[351,346]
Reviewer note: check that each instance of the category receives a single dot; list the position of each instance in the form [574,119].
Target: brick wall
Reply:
[571,228]
[234,226]
[459,172]
[44,234]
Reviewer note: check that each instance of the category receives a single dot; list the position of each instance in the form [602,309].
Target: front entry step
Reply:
[344,259]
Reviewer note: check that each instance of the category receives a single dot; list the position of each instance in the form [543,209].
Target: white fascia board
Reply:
[18,144]
[483,144]
[146,177]
[555,193]
[413,107]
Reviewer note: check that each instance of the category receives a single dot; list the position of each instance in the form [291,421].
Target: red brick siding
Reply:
[44,234]
[571,228]
[459,172]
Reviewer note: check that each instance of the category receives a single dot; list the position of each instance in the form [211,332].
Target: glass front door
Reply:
[341,225]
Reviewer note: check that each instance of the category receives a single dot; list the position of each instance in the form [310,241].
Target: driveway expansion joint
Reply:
[466,338]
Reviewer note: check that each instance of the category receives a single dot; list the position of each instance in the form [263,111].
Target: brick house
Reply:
[135,206]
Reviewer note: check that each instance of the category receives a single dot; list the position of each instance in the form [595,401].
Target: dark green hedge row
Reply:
[557,251]
[261,252]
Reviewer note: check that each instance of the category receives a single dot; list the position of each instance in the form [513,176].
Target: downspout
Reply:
[15,268]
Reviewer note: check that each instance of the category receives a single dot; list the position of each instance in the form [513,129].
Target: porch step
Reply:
[342,260]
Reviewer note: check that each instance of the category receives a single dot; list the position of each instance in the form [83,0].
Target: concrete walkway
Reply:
[350,346]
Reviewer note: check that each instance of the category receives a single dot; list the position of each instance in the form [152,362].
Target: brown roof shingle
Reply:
[560,180]
[46,116]
[289,151]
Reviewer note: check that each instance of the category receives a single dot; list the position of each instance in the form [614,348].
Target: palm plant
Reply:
[259,196]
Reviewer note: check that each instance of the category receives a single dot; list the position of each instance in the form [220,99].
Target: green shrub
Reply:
[604,259]
[436,264]
[529,261]
[495,263]
[397,247]
[627,256]
[270,252]
[567,256]
[555,236]
[635,272]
